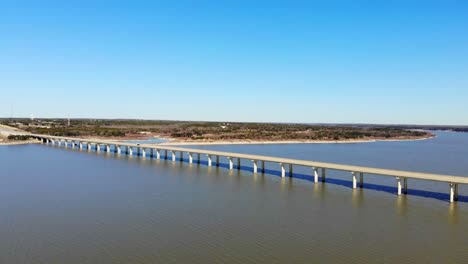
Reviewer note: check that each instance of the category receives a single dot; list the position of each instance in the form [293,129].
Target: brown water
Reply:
[67,206]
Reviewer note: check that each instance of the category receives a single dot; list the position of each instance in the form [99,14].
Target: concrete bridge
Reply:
[258,162]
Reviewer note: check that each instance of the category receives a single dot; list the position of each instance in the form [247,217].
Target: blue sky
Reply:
[266,61]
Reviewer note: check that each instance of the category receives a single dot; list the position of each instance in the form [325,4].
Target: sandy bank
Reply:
[253,142]
[10,143]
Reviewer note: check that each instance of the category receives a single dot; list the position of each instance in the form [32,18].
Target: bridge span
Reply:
[318,169]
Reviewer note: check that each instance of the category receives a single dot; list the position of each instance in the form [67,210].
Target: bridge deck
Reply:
[332,166]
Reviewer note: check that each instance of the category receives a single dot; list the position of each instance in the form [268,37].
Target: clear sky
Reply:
[268,61]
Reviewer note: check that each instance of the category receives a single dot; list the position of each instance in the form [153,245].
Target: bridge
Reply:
[258,162]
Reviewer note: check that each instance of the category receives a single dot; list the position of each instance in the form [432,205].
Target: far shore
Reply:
[258,142]
[22,142]
[176,142]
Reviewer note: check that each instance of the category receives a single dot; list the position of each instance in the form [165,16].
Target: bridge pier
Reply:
[323,174]
[165,154]
[405,185]
[81,145]
[130,151]
[398,185]
[190,156]
[143,152]
[118,149]
[108,148]
[238,163]
[231,164]
[209,160]
[361,180]
[181,156]
[217,160]
[198,158]
[158,154]
[263,166]
[283,170]
[453,192]
[290,170]
[354,180]
[255,167]
[316,175]
[173,155]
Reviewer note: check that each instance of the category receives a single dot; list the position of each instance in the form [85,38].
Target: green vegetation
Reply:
[19,137]
[213,131]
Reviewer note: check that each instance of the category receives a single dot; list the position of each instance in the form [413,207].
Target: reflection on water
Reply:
[69,206]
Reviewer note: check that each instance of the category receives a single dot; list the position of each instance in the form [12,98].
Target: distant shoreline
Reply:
[259,142]
[178,142]
[12,143]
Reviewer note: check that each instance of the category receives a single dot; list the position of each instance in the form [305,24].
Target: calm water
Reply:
[69,206]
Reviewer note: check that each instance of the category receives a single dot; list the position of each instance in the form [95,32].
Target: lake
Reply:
[69,206]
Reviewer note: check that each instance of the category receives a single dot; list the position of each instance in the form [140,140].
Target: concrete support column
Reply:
[217,161]
[118,149]
[290,170]
[165,154]
[66,144]
[181,156]
[354,180]
[130,151]
[238,163]
[190,157]
[209,160]
[316,175]
[398,185]
[255,167]
[158,154]
[138,151]
[143,152]
[453,192]
[405,185]
[88,146]
[108,148]
[173,155]
[361,180]
[231,164]
[198,158]
[151,153]
[283,170]
[98,148]
[263,166]
[81,145]
[323,174]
